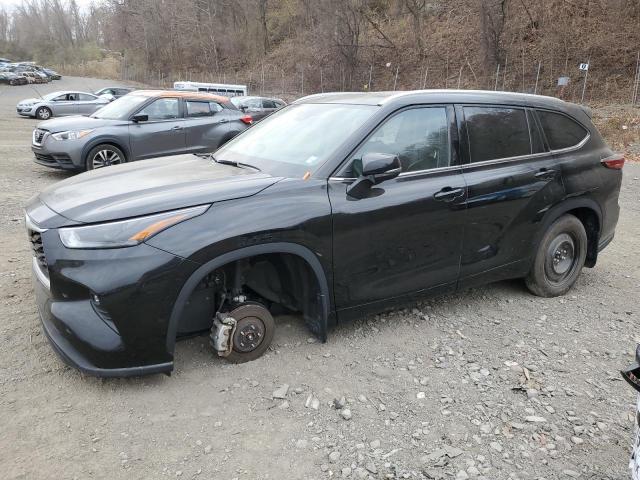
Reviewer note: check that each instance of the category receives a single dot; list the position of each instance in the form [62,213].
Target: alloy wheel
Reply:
[105,158]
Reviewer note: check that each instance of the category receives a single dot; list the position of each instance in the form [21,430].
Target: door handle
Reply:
[177,127]
[448,194]
[546,174]
[224,120]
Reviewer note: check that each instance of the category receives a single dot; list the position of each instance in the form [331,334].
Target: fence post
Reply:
[535,90]
[636,82]
[424,81]
[370,73]
[395,79]
[586,74]
[495,87]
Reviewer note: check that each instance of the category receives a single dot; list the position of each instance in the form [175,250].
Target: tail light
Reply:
[615,161]
[248,119]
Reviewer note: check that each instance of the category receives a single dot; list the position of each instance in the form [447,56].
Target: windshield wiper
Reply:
[232,163]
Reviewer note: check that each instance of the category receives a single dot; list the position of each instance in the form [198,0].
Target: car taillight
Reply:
[248,119]
[615,161]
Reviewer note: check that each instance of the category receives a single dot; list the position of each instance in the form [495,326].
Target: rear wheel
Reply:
[253,332]
[104,155]
[559,259]
[43,113]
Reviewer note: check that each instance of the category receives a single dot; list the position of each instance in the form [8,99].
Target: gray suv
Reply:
[258,107]
[143,124]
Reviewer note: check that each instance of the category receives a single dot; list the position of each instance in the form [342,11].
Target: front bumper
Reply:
[25,111]
[82,340]
[106,312]
[64,155]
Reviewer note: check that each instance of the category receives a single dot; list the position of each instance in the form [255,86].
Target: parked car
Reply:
[258,107]
[114,92]
[141,125]
[52,74]
[34,77]
[28,78]
[62,103]
[10,78]
[336,206]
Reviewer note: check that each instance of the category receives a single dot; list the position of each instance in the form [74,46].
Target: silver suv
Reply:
[140,125]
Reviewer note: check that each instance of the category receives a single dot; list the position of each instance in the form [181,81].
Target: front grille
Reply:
[35,238]
[38,136]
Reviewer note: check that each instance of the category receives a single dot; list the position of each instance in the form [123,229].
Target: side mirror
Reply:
[140,118]
[378,167]
[244,108]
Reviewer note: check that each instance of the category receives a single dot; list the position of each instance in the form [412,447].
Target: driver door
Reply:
[162,134]
[66,104]
[403,236]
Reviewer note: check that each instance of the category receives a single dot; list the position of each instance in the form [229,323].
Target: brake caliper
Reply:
[222,334]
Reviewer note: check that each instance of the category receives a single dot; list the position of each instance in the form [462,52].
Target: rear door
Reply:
[512,180]
[87,104]
[162,134]
[207,124]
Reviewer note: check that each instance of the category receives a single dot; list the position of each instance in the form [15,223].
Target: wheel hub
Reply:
[105,158]
[248,335]
[561,255]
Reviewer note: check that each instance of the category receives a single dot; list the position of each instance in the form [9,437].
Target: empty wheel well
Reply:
[277,280]
[591,223]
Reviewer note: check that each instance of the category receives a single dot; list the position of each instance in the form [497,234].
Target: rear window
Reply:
[560,130]
[497,132]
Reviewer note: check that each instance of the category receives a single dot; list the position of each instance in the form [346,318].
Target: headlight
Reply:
[125,233]
[71,134]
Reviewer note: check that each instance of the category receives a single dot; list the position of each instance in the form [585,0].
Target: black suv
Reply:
[335,206]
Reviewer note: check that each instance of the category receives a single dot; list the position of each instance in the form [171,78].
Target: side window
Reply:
[496,132]
[162,109]
[72,97]
[60,98]
[198,109]
[268,104]
[419,136]
[83,97]
[253,103]
[215,107]
[561,131]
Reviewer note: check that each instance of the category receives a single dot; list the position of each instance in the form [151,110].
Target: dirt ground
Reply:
[489,383]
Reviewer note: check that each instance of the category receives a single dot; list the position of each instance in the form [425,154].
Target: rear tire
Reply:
[253,333]
[104,155]
[43,113]
[559,258]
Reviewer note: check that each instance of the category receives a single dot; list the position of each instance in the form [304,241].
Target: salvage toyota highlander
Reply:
[336,206]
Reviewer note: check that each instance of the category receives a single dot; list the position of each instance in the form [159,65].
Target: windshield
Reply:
[297,139]
[121,108]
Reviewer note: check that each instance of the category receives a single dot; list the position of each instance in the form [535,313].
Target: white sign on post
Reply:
[584,66]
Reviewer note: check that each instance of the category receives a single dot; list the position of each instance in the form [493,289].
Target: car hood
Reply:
[151,186]
[76,122]
[29,100]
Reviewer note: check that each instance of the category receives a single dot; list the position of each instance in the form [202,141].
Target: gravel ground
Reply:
[489,383]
